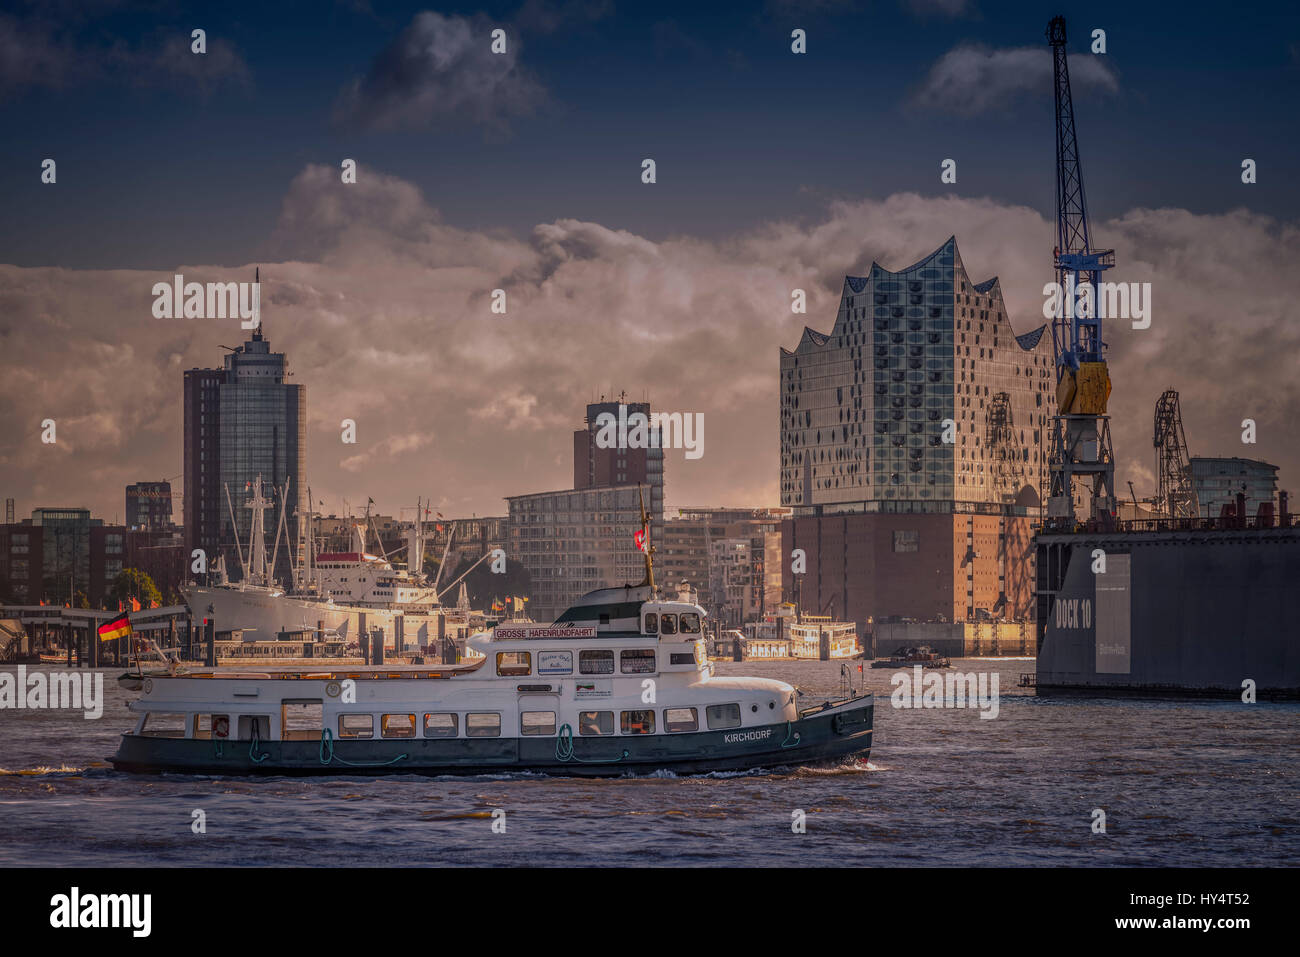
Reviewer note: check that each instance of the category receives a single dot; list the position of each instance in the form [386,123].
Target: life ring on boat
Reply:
[221,726]
[148,685]
[332,689]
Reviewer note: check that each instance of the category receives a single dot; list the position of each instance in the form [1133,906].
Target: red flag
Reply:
[154,604]
[639,538]
[119,607]
[135,605]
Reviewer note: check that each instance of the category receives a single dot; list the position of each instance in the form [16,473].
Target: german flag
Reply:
[119,627]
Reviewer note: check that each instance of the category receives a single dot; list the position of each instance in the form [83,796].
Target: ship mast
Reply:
[258,504]
[644,543]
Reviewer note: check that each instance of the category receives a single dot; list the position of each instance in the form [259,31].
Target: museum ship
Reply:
[339,595]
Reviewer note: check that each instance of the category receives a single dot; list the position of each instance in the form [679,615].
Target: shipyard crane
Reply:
[1080,440]
[1176,497]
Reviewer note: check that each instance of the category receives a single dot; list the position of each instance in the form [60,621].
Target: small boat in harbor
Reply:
[618,684]
[907,657]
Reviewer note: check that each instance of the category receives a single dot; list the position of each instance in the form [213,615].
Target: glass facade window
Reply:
[863,409]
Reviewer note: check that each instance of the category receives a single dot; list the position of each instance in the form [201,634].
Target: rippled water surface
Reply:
[1182,783]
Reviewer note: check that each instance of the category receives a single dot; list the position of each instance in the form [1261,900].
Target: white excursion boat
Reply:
[619,684]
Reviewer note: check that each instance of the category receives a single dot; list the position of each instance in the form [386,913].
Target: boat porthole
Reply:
[332,689]
[148,685]
[772,705]
[753,707]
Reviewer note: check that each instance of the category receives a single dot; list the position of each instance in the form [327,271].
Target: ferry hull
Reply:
[830,735]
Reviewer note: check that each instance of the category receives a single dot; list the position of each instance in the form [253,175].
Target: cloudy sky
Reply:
[522,172]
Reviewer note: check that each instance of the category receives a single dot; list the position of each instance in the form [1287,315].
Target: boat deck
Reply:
[356,672]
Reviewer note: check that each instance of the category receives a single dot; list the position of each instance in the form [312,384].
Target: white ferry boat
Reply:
[619,684]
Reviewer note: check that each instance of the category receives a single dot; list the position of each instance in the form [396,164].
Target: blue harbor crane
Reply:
[1080,435]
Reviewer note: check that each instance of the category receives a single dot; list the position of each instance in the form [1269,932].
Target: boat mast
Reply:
[415,542]
[257,504]
[239,546]
[443,564]
[309,570]
[282,527]
[646,546]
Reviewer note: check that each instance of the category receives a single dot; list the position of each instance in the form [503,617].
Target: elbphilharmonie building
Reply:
[912,450]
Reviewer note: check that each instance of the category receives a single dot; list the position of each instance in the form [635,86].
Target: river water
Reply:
[1181,783]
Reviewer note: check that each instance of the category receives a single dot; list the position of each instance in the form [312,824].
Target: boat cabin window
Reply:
[356,726]
[482,725]
[397,726]
[596,662]
[690,623]
[537,722]
[204,724]
[159,724]
[651,623]
[668,624]
[681,719]
[722,716]
[514,664]
[595,722]
[638,722]
[301,720]
[441,726]
[637,661]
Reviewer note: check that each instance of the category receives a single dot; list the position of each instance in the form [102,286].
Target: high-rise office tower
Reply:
[243,421]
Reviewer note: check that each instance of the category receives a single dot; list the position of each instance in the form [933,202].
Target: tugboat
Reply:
[618,684]
[907,657]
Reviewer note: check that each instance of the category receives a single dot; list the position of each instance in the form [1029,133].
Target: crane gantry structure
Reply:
[1176,493]
[1080,449]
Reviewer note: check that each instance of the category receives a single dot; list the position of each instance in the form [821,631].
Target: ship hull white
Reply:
[263,616]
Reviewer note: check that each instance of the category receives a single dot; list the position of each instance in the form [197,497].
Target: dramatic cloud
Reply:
[48,52]
[972,78]
[176,60]
[32,56]
[442,67]
[945,8]
[385,313]
[542,17]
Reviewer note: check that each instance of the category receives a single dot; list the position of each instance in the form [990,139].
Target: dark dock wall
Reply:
[1205,612]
